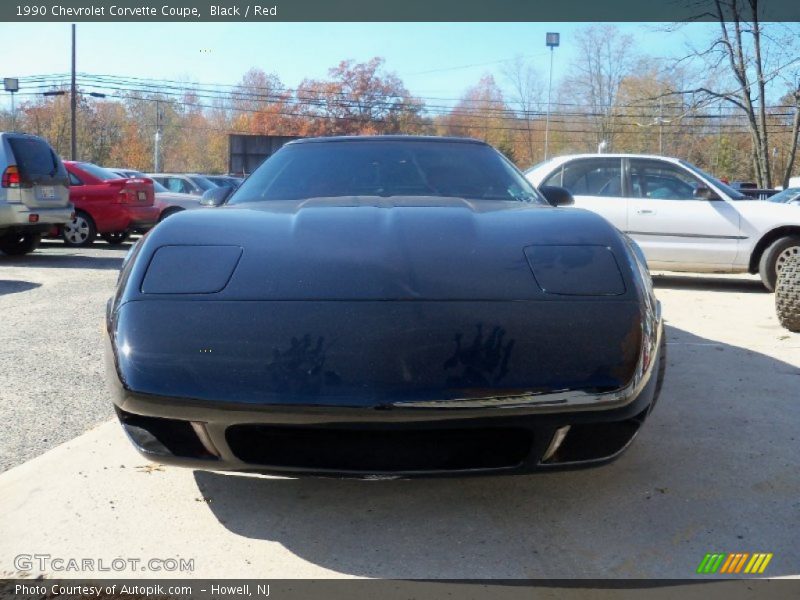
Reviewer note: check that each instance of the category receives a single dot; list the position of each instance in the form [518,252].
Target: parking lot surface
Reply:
[715,469]
[52,304]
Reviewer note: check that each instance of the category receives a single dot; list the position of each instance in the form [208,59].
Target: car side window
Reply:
[591,177]
[73,180]
[661,181]
[174,184]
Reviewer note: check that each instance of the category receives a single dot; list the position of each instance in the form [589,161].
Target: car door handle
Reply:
[645,211]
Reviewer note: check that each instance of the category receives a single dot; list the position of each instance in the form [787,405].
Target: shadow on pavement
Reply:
[10,286]
[709,284]
[72,260]
[715,469]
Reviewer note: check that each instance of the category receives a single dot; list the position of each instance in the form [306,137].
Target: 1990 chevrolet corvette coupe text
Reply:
[385,306]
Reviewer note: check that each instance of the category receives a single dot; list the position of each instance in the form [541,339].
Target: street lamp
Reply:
[11,85]
[551,41]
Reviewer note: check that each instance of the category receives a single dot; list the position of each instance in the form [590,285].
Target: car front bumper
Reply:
[386,441]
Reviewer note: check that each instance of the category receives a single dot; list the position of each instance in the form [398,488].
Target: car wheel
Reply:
[115,238]
[774,257]
[15,244]
[168,213]
[81,231]
[787,295]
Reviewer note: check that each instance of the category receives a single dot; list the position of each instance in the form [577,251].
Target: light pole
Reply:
[157,145]
[73,105]
[551,40]
[11,85]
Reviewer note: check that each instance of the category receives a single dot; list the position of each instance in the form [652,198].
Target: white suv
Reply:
[683,218]
[34,192]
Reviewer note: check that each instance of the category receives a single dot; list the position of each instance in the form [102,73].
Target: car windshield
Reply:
[729,191]
[99,172]
[386,168]
[157,187]
[787,195]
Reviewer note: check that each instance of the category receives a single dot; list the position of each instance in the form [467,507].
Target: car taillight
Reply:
[11,177]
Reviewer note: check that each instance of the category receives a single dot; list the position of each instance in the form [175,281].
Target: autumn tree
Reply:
[481,113]
[359,98]
[262,105]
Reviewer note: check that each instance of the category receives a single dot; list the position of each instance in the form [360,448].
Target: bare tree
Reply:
[793,138]
[526,89]
[605,58]
[741,62]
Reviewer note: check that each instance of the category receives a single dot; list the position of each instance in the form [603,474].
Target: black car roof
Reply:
[386,138]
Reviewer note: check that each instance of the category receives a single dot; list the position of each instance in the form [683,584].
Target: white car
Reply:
[683,218]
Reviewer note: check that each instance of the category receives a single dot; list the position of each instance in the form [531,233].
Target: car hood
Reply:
[379,248]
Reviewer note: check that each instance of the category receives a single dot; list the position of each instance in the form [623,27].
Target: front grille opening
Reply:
[596,441]
[163,437]
[379,451]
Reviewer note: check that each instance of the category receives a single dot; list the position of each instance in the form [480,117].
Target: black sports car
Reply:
[385,306]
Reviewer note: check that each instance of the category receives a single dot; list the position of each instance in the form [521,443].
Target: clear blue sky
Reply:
[424,55]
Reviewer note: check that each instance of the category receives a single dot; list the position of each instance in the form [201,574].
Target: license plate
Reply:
[142,196]
[47,192]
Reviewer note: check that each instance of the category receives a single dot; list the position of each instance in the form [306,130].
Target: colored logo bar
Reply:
[734,562]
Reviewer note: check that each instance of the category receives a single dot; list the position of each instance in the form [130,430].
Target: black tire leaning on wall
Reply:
[787,295]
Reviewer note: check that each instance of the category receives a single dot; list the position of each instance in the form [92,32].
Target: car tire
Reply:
[15,244]
[79,232]
[115,238]
[787,295]
[774,257]
[168,213]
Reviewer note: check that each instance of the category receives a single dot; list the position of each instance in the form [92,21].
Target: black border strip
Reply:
[586,11]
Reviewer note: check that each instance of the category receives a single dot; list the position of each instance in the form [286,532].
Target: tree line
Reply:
[732,107]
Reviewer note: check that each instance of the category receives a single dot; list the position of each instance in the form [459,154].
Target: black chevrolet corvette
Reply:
[380,307]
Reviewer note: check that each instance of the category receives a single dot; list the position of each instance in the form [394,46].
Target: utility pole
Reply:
[11,85]
[551,41]
[661,126]
[156,147]
[73,104]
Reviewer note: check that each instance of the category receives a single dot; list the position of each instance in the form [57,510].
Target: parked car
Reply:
[751,189]
[788,196]
[683,218]
[34,192]
[385,306]
[183,183]
[127,173]
[222,180]
[107,204]
[168,203]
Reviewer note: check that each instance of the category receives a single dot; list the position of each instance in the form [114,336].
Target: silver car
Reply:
[168,202]
[34,193]
[183,183]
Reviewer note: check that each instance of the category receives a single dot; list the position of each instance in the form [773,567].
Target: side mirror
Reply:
[703,192]
[215,196]
[557,196]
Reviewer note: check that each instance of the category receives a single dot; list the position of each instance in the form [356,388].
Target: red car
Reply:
[107,204]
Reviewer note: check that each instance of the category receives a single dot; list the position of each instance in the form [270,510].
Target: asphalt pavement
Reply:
[52,304]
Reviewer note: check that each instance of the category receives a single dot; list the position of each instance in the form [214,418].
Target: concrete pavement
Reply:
[716,469]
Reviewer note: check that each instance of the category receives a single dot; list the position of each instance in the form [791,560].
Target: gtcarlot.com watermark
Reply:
[60,564]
